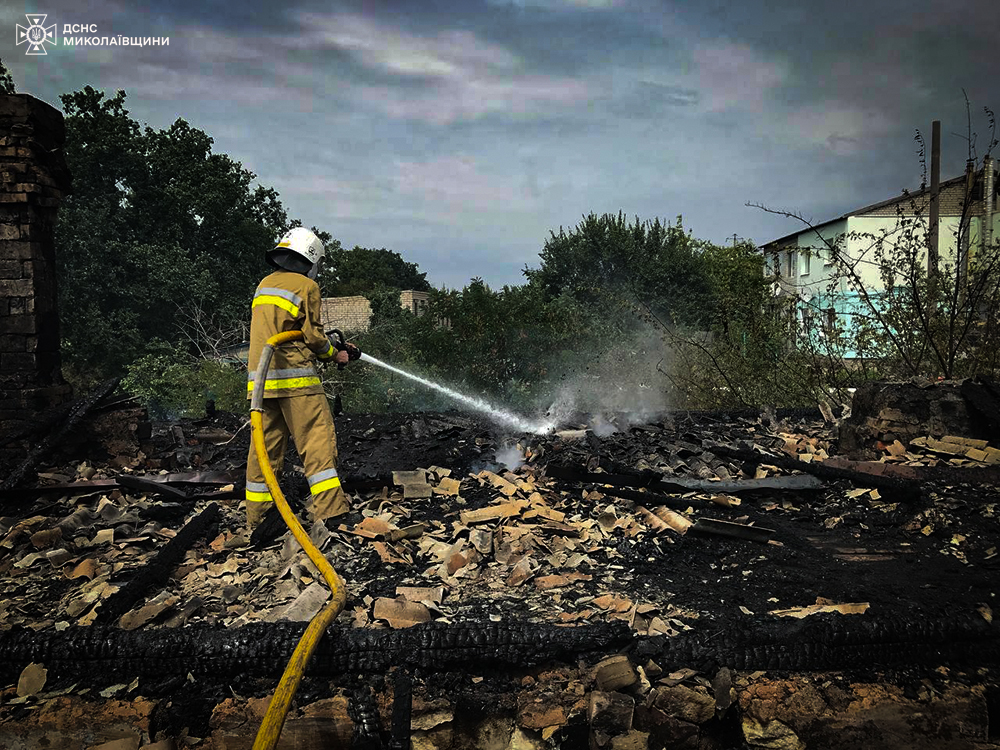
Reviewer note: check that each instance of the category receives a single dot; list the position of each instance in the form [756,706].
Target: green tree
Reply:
[504,344]
[6,80]
[364,270]
[615,308]
[738,355]
[721,337]
[156,224]
[606,257]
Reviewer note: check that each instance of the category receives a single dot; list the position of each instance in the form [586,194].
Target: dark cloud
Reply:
[460,134]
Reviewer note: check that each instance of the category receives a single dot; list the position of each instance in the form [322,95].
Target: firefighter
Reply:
[294,400]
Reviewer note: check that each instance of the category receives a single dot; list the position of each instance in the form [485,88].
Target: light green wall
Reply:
[975,229]
[859,248]
[817,280]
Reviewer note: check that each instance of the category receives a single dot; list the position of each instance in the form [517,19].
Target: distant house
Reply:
[803,268]
[348,314]
[353,314]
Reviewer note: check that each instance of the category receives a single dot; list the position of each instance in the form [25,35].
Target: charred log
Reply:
[364,714]
[655,480]
[833,642]
[197,480]
[649,499]
[402,709]
[158,570]
[151,487]
[263,649]
[901,489]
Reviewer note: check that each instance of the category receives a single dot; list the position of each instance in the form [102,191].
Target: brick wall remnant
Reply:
[349,314]
[905,410]
[33,181]
[354,314]
[414,301]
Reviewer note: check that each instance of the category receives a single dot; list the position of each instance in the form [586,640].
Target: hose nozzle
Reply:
[336,337]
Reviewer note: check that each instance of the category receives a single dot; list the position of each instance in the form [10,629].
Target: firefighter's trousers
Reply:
[308,420]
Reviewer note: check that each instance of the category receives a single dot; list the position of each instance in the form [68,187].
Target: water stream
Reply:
[501,416]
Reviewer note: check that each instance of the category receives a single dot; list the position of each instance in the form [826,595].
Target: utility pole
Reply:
[932,243]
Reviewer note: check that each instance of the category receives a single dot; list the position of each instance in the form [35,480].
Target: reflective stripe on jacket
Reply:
[286,301]
[282,380]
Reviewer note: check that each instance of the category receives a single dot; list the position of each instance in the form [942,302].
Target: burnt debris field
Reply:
[700,580]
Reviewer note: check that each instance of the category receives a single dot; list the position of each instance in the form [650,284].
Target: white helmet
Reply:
[300,242]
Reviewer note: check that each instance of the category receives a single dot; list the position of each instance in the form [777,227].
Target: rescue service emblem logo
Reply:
[35,35]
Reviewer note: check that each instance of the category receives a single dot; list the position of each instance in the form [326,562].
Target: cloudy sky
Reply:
[459,134]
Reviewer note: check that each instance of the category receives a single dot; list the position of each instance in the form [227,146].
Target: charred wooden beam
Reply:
[365,717]
[402,709]
[651,499]
[901,489]
[942,473]
[716,527]
[816,643]
[198,480]
[655,480]
[157,571]
[77,413]
[263,649]
[831,642]
[148,486]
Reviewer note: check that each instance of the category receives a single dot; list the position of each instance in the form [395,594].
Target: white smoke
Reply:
[511,456]
[621,387]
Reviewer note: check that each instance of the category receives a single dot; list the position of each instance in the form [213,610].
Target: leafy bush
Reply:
[172,384]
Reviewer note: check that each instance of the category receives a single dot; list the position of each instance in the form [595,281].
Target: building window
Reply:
[807,320]
[806,258]
[790,264]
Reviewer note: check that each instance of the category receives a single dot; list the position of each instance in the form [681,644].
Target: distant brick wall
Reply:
[354,314]
[349,314]
[33,181]
[414,301]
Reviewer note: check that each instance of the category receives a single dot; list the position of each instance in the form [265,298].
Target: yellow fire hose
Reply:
[274,720]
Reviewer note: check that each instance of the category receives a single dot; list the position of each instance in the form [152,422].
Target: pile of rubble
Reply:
[633,590]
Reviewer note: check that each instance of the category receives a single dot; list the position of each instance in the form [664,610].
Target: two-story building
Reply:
[804,266]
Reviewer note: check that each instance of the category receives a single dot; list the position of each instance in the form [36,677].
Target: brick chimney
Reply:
[33,181]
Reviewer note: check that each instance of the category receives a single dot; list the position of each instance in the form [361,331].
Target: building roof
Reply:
[868,209]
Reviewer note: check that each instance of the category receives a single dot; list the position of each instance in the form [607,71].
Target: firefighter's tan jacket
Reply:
[287,301]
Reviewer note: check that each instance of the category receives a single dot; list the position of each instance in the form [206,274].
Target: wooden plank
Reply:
[493,512]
